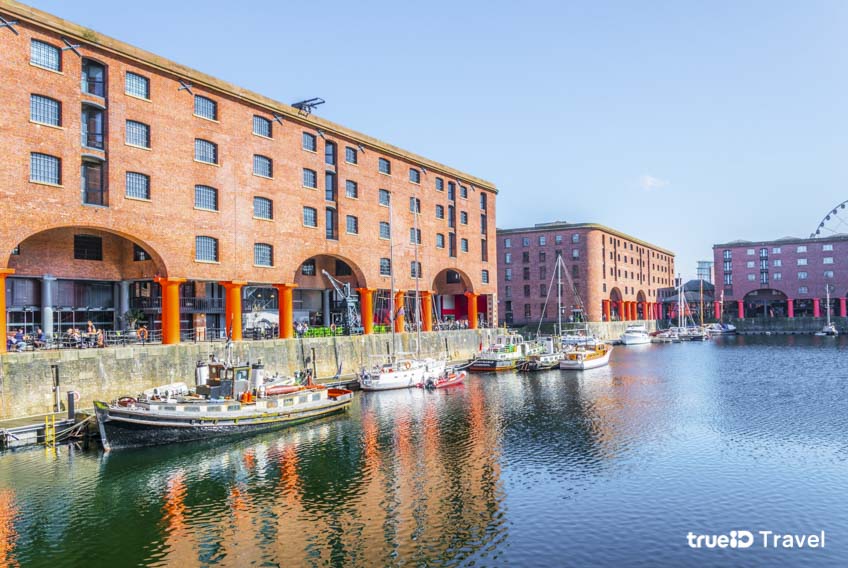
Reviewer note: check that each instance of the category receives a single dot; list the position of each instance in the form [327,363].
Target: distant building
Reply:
[615,276]
[699,300]
[784,277]
[705,271]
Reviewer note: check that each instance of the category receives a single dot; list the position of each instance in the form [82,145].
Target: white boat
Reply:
[830,328]
[548,359]
[582,359]
[505,354]
[402,373]
[721,329]
[635,335]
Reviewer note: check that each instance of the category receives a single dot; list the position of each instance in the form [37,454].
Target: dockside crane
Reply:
[348,301]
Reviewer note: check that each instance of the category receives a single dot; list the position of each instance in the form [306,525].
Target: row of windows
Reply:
[542,240]
[525,256]
[728,254]
[48,111]
[764,276]
[778,262]
[207,250]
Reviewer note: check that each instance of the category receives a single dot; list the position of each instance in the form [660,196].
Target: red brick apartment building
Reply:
[132,182]
[616,276]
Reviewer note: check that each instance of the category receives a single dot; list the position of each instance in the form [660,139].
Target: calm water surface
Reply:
[609,467]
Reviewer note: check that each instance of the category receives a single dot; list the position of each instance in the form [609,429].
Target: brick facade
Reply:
[602,263]
[40,219]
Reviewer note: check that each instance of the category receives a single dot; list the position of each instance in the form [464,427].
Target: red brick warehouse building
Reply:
[129,181]
[788,277]
[616,276]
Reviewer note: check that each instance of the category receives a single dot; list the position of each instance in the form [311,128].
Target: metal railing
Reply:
[188,304]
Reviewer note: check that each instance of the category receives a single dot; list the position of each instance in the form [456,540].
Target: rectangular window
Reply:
[463,218]
[330,153]
[206,249]
[751,278]
[575,238]
[138,185]
[385,267]
[263,166]
[351,189]
[414,205]
[385,196]
[352,225]
[763,253]
[543,290]
[205,151]
[452,245]
[263,254]
[310,178]
[45,55]
[415,236]
[463,245]
[440,211]
[385,166]
[802,262]
[802,290]
[329,186]
[484,224]
[764,278]
[484,203]
[507,243]
[94,184]
[45,169]
[263,208]
[205,108]
[138,134]
[542,256]
[727,255]
[508,294]
[463,192]
[828,273]
[308,268]
[137,86]
[451,216]
[801,248]
[485,276]
[827,260]
[451,191]
[526,274]
[385,230]
[262,126]
[542,241]
[776,262]
[351,156]
[575,253]
[206,197]
[728,279]
[440,184]
[508,274]
[415,269]
[827,247]
[88,247]
[45,110]
[310,142]
[508,258]
[777,276]
[414,175]
[751,252]
[802,276]
[526,310]
[775,250]
[440,240]
[310,217]
[749,264]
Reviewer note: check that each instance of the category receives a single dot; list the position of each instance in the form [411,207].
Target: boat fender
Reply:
[407,365]
[76,395]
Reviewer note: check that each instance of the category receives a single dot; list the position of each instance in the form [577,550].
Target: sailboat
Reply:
[401,371]
[552,348]
[721,328]
[830,327]
[686,328]
[588,352]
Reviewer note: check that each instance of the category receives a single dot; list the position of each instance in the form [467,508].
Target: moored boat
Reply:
[447,378]
[505,354]
[583,359]
[401,373]
[635,334]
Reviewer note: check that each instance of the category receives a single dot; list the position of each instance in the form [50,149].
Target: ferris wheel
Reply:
[834,223]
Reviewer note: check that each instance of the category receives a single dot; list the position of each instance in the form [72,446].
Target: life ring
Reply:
[407,365]
[76,395]
[126,401]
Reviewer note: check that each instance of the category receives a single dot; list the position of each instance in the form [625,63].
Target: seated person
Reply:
[18,340]
[40,339]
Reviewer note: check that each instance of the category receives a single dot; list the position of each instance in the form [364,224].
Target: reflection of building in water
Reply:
[8,534]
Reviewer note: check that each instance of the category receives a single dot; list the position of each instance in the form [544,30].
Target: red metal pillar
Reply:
[607,311]
[717,310]
[472,309]
[366,309]
[816,308]
[4,272]
[740,309]
[170,309]
[843,308]
[285,306]
[232,308]
[621,314]
[790,308]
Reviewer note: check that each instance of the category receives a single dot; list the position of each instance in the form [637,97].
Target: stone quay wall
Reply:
[787,325]
[27,384]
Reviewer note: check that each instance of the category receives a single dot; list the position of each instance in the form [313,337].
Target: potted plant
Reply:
[132,318]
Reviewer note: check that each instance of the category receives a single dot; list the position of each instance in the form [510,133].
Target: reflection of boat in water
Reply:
[226,405]
[582,359]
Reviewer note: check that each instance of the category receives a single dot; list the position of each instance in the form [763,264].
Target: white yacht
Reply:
[400,373]
[635,335]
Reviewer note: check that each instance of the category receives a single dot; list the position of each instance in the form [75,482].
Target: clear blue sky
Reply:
[684,123]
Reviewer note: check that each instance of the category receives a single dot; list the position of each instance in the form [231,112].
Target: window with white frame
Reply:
[138,134]
[802,276]
[827,260]
[263,254]
[137,85]
[45,55]
[205,107]
[45,168]
[310,142]
[137,185]
[802,262]
[310,217]
[440,240]
[205,151]
[263,166]
[351,189]
[206,197]
[385,230]
[45,110]
[352,225]
[310,178]
[206,249]
[263,208]
[262,126]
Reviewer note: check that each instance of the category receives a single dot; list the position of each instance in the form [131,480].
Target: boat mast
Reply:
[680,303]
[827,302]
[559,294]
[417,278]
[701,284]
[391,274]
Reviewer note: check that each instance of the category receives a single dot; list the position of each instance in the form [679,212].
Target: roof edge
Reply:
[592,226]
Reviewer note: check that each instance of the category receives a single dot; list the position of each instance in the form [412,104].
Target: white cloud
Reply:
[650,183]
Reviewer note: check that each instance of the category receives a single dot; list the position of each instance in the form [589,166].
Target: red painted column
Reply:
[645,311]
[633,315]
[472,309]
[621,315]
[4,272]
[658,311]
[232,308]
[843,308]
[607,311]
[170,309]
[816,308]
[426,310]
[790,308]
[285,305]
[400,311]
[717,310]
[740,308]
[366,309]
